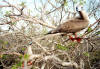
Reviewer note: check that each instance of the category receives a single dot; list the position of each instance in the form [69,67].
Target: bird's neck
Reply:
[83,15]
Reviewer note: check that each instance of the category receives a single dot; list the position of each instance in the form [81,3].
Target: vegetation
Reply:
[23,44]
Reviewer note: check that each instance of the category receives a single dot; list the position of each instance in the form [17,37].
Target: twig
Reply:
[90,27]
[5,23]
[10,53]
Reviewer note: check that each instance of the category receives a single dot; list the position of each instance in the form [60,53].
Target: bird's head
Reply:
[79,8]
[82,13]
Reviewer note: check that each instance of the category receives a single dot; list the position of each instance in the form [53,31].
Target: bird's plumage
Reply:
[73,25]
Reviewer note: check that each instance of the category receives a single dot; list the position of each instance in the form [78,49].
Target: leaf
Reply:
[1,56]
[8,12]
[22,4]
[19,64]
[47,12]
[72,44]
[98,32]
[23,49]
[82,2]
[13,23]
[44,30]
[89,30]
[59,46]
[57,0]
[53,22]
[14,67]
[86,54]
[26,56]
[6,42]
[4,56]
[1,42]
[65,4]
[75,1]
[20,56]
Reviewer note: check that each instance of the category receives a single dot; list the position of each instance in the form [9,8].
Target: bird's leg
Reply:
[75,35]
[78,39]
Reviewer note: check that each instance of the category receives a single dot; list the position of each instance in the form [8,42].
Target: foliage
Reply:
[44,30]
[14,67]
[35,18]
[8,12]
[26,56]
[72,44]
[59,46]
[22,4]
[4,42]
[98,32]
[89,30]
[86,54]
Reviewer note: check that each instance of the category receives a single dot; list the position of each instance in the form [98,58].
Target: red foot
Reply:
[23,65]
[76,38]
[29,63]
[71,38]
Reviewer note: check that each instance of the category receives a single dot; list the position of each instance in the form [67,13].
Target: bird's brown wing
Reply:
[72,26]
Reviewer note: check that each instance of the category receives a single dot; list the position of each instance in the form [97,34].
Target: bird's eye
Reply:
[76,8]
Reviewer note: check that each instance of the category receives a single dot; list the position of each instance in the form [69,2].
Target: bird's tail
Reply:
[51,32]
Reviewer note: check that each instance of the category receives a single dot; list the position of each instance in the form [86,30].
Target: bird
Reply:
[73,25]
